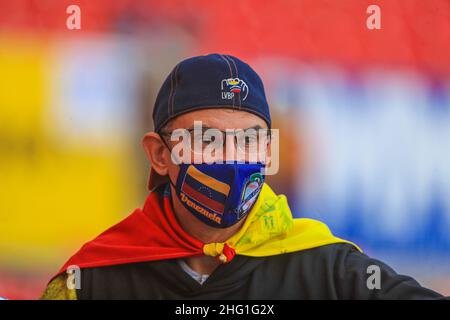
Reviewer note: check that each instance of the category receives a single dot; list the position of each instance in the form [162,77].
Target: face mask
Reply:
[219,195]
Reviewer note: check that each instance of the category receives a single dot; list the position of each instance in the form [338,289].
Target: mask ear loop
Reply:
[168,148]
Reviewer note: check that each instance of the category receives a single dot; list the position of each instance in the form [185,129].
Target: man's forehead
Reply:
[218,118]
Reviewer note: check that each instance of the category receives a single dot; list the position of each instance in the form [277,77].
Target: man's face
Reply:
[221,119]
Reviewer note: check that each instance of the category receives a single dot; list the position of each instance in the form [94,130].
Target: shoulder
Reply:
[327,259]
[126,281]
[57,289]
[328,252]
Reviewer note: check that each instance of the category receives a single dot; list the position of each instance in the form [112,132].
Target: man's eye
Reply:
[208,138]
[249,140]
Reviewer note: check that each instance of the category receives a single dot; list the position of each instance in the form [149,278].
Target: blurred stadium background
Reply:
[364,117]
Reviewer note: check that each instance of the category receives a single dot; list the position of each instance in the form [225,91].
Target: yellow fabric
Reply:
[213,249]
[57,290]
[270,230]
[209,181]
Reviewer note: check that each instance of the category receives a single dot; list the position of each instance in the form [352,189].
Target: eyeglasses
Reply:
[248,141]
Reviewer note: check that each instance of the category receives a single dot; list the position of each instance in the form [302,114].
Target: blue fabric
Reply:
[213,194]
[210,81]
[245,181]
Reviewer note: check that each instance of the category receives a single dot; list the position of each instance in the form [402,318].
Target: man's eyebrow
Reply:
[202,127]
[256,127]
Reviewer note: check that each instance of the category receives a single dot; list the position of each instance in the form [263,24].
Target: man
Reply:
[216,230]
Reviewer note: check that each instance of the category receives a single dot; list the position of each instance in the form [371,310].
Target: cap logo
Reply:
[231,86]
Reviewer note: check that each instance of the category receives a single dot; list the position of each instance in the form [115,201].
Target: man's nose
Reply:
[231,151]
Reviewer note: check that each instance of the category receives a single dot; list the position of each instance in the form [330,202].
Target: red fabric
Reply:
[145,235]
[229,252]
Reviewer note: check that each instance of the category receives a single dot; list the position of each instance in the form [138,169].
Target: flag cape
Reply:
[153,233]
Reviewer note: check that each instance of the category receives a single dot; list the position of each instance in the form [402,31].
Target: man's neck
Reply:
[202,232]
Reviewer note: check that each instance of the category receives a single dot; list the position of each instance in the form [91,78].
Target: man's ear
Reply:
[157,153]
[273,154]
[269,152]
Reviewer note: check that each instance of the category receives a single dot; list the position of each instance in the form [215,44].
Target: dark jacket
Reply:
[335,271]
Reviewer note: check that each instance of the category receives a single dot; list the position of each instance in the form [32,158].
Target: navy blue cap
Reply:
[210,81]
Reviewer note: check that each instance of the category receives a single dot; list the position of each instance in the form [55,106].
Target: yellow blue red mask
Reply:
[219,195]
